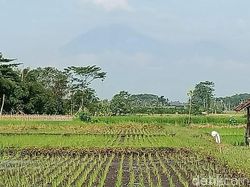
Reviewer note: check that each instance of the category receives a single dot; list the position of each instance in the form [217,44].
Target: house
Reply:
[242,106]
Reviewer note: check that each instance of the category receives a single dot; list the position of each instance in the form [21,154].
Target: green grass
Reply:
[223,119]
[174,119]
[183,138]
[27,122]
[48,141]
[233,136]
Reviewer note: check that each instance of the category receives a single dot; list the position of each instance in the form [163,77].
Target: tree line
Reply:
[202,99]
[49,90]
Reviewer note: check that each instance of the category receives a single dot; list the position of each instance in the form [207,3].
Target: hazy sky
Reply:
[163,47]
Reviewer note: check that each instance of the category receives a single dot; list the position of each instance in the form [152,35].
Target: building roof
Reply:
[243,105]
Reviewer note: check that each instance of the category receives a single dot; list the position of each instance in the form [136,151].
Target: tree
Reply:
[47,90]
[82,77]
[89,100]
[121,103]
[54,82]
[229,103]
[163,101]
[104,108]
[202,97]
[40,100]
[8,78]
[38,91]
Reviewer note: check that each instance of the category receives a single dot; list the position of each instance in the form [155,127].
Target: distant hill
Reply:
[114,37]
[120,38]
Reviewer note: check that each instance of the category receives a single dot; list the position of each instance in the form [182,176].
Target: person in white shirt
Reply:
[216,136]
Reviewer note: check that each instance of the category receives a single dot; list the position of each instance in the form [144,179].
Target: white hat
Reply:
[214,133]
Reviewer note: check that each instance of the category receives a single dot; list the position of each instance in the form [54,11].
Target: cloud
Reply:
[110,5]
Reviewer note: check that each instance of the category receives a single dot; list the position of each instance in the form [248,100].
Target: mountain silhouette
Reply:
[124,39]
[110,38]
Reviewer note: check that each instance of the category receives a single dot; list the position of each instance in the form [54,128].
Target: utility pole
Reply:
[190,94]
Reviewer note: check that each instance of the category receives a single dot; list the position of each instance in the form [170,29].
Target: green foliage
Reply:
[232,121]
[52,91]
[47,90]
[202,97]
[103,108]
[148,100]
[81,78]
[84,117]
[124,103]
[88,99]
[229,103]
[121,103]
[159,110]
[172,119]
[8,79]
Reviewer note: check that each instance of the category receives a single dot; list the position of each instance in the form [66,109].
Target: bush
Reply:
[84,117]
[232,121]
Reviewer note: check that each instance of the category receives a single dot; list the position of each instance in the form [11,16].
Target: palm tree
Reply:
[5,66]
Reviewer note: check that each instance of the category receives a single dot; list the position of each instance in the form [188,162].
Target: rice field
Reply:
[148,167]
[172,119]
[235,119]
[123,153]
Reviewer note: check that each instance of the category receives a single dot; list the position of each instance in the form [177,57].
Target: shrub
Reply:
[84,117]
